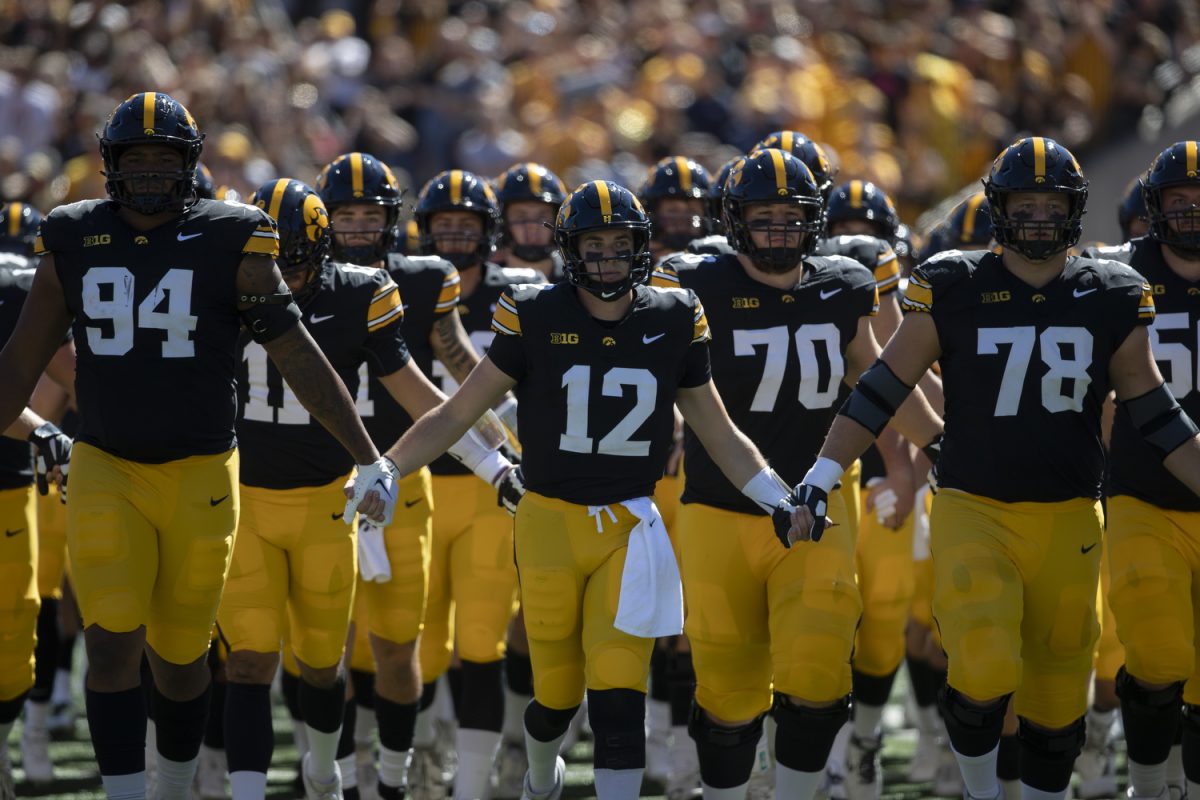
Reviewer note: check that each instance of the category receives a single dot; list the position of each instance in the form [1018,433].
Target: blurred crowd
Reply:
[916,95]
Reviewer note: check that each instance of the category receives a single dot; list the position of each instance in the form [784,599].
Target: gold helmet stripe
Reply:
[685,174]
[535,178]
[856,194]
[605,199]
[14,219]
[785,141]
[456,178]
[1190,148]
[1039,158]
[148,111]
[973,204]
[780,169]
[356,179]
[277,198]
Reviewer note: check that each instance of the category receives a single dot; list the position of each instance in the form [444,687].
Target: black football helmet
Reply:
[599,205]
[809,152]
[1132,208]
[1175,166]
[525,183]
[360,178]
[771,176]
[459,190]
[863,200]
[936,241]
[1036,164]
[151,118]
[679,178]
[716,195]
[18,228]
[305,233]
[970,224]
[205,188]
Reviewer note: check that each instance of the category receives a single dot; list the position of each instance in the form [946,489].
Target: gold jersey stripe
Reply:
[148,102]
[506,319]
[685,174]
[39,247]
[262,245]
[918,294]
[356,175]
[875,304]
[456,179]
[14,219]
[700,331]
[780,170]
[1039,158]
[387,287]
[664,279]
[450,293]
[395,315]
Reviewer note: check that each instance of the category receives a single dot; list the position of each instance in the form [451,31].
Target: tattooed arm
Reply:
[452,346]
[305,368]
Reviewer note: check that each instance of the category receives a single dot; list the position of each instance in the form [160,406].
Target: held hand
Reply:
[803,512]
[53,457]
[510,489]
[371,491]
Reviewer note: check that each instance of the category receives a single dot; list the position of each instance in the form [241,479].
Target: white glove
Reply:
[380,477]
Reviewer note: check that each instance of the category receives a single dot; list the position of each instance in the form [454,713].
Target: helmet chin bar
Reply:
[1065,233]
[532,252]
[178,197]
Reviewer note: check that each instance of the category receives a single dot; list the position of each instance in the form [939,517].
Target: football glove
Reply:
[781,518]
[510,489]
[53,449]
[817,501]
[933,452]
[380,476]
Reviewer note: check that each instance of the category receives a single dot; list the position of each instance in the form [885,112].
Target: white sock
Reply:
[1011,790]
[794,784]
[1193,789]
[393,767]
[247,785]
[5,729]
[769,732]
[680,741]
[443,701]
[349,767]
[1175,776]
[300,735]
[658,718]
[979,773]
[735,793]
[364,728]
[1147,780]
[618,784]
[37,715]
[836,763]
[323,747]
[929,720]
[125,787]
[514,715]
[1099,726]
[424,733]
[61,693]
[476,752]
[866,720]
[543,758]
[1030,793]
[175,778]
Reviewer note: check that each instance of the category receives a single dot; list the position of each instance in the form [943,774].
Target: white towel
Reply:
[651,602]
[373,564]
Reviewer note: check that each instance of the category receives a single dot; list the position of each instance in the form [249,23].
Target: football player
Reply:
[716,242]
[1153,511]
[529,195]
[1029,341]
[156,286]
[675,195]
[598,362]
[473,582]
[749,621]
[26,554]
[293,560]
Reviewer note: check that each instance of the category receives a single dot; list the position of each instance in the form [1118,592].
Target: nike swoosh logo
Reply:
[337,515]
[183,238]
[314,319]
[411,503]
[825,295]
[9,534]
[1088,549]
[648,339]
[1078,293]
[218,501]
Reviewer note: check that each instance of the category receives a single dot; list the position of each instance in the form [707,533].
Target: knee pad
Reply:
[1151,717]
[615,666]
[618,718]
[804,736]
[1048,756]
[547,724]
[973,729]
[872,690]
[726,754]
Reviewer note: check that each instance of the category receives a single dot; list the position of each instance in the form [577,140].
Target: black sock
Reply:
[45,653]
[66,652]
[214,732]
[147,686]
[11,709]
[346,742]
[518,672]
[455,679]
[872,690]
[681,687]
[323,708]
[249,734]
[659,662]
[926,681]
[397,722]
[118,726]
[1008,766]
[364,687]
[428,695]
[290,686]
[179,726]
[482,707]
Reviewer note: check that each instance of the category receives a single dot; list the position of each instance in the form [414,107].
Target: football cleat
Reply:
[425,778]
[511,766]
[314,790]
[864,772]
[560,772]
[211,770]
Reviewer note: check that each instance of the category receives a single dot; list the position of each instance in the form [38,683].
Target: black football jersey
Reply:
[1025,370]
[16,276]
[1135,468]
[874,254]
[354,317]
[714,245]
[595,398]
[429,289]
[778,360]
[475,311]
[1113,252]
[156,322]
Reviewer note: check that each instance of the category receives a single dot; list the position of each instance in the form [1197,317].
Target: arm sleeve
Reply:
[507,350]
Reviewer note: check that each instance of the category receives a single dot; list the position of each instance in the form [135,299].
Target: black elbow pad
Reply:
[1160,420]
[268,316]
[875,398]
